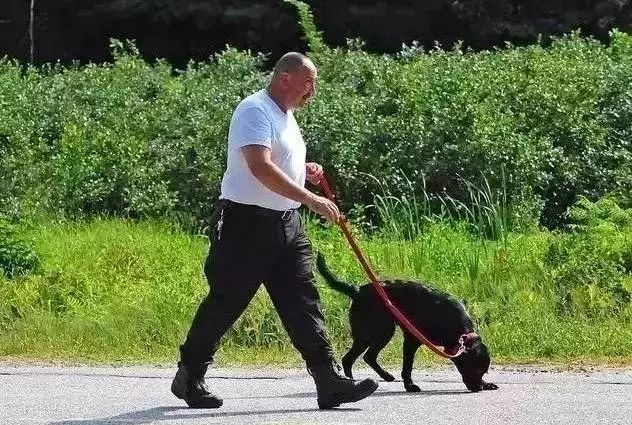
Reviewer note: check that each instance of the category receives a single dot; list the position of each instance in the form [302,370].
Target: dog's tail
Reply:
[340,286]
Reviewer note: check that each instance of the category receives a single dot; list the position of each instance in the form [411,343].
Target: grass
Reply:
[112,290]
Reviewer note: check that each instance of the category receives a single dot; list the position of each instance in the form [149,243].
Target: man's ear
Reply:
[284,78]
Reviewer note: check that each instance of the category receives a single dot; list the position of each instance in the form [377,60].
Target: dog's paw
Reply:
[387,377]
[412,388]
[489,386]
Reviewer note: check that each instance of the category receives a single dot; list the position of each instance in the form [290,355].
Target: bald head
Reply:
[292,62]
[293,80]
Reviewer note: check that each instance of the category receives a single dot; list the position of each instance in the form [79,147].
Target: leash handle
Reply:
[375,282]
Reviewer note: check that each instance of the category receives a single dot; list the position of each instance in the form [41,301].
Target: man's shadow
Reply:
[162,414]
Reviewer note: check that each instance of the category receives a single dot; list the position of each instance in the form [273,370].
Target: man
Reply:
[259,237]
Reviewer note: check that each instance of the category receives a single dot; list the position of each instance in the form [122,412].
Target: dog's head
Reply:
[473,363]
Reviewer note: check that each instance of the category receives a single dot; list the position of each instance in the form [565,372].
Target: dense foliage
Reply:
[17,257]
[138,139]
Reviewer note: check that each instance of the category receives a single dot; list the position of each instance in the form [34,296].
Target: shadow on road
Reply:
[385,393]
[421,393]
[378,393]
[165,414]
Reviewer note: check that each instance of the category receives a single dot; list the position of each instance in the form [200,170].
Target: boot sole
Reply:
[329,404]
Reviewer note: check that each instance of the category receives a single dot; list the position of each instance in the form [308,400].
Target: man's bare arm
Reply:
[259,162]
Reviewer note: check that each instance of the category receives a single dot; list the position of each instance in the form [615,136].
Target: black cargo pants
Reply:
[251,245]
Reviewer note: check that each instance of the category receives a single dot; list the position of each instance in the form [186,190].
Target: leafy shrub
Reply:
[16,257]
[128,138]
[138,139]
[589,266]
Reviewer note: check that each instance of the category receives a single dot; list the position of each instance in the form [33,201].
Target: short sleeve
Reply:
[251,126]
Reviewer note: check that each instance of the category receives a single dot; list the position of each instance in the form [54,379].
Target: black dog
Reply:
[441,318]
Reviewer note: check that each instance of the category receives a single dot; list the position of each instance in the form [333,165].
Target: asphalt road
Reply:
[140,395]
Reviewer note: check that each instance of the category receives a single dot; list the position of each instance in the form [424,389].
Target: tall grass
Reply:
[471,251]
[486,217]
[117,290]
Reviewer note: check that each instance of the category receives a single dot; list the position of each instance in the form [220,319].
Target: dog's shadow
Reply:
[169,413]
[422,393]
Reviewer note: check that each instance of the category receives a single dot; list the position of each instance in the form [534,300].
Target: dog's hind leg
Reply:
[352,355]
[410,348]
[370,357]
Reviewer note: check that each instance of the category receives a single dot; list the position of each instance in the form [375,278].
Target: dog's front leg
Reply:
[410,348]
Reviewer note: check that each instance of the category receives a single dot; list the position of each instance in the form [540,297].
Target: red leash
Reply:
[401,319]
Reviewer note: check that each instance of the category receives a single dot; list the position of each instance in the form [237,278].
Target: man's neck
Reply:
[274,95]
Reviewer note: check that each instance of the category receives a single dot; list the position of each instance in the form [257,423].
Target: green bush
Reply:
[543,125]
[447,116]
[128,138]
[16,256]
[591,265]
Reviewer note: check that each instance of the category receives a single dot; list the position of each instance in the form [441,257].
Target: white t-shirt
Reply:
[258,120]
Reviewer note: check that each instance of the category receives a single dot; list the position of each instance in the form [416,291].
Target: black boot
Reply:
[334,389]
[189,386]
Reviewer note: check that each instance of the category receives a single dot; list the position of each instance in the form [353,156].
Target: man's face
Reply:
[301,85]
